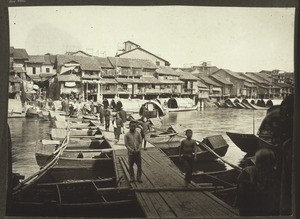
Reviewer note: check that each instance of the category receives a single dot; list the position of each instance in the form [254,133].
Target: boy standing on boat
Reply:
[133,143]
[187,154]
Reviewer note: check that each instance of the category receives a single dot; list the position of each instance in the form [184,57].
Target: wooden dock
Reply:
[163,194]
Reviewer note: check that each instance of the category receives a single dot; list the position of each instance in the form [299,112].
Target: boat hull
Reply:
[181,109]
[248,143]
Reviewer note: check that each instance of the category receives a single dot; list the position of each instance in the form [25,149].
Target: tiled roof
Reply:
[221,79]
[253,76]
[233,74]
[18,53]
[165,70]
[68,78]
[36,59]
[247,79]
[131,63]
[109,81]
[265,76]
[91,77]
[103,62]
[14,79]
[46,75]
[207,80]
[201,85]
[79,51]
[19,69]
[247,84]
[187,76]
[171,82]
[284,85]
[139,48]
[86,63]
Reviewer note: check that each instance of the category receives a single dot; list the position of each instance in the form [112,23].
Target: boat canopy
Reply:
[174,103]
[151,106]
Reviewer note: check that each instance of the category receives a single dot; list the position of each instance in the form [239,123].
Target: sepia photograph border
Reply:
[4,68]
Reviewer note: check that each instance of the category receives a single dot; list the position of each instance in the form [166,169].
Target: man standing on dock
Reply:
[133,143]
[186,149]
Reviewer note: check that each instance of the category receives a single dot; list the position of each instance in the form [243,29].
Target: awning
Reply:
[217,89]
[92,82]
[70,84]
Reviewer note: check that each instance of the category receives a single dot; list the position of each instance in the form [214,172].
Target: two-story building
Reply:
[238,89]
[132,76]
[190,84]
[227,86]
[264,88]
[215,89]
[87,69]
[250,87]
[170,83]
[135,51]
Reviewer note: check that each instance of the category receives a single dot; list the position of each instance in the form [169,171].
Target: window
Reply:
[33,70]
[157,63]
[47,70]
[107,87]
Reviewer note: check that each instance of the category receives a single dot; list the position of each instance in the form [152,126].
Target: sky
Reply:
[239,39]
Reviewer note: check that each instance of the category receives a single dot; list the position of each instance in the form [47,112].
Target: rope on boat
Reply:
[31,179]
[218,156]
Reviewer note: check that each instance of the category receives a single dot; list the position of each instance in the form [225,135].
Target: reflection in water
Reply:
[25,132]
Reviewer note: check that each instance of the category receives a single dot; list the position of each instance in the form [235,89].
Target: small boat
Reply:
[91,117]
[59,134]
[225,180]
[152,109]
[45,115]
[169,142]
[250,143]
[74,192]
[180,104]
[15,109]
[32,112]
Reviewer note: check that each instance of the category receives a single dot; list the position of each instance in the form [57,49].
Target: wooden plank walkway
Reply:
[162,193]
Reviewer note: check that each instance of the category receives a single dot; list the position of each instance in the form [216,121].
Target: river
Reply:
[26,132]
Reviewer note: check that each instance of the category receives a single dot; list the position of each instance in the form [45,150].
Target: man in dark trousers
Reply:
[133,143]
[187,154]
[107,118]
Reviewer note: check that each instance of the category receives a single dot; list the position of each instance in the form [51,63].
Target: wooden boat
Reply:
[32,112]
[15,109]
[59,134]
[250,143]
[169,143]
[152,109]
[74,192]
[240,106]
[226,180]
[44,114]
[246,142]
[180,104]
[88,118]
[79,153]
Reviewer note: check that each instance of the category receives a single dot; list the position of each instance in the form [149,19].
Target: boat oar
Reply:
[214,153]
